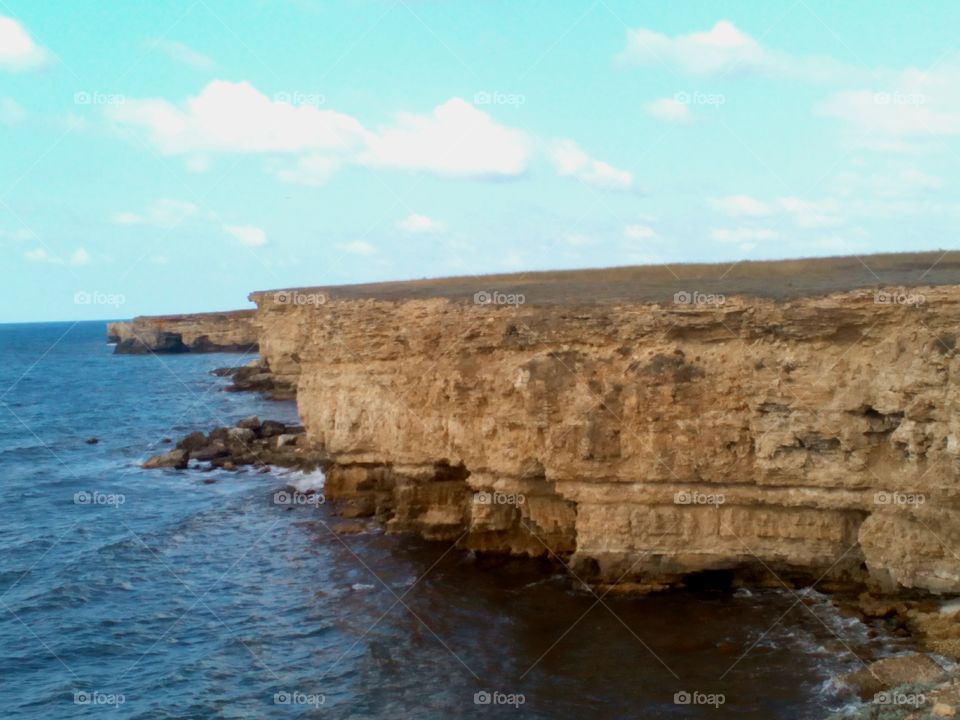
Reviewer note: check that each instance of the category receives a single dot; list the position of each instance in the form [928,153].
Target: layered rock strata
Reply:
[234,331]
[814,436]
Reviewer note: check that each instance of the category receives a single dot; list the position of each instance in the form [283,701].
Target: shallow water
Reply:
[195,600]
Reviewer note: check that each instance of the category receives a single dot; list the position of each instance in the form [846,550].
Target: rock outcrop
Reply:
[234,331]
[810,432]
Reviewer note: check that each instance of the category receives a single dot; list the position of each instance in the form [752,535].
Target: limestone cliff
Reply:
[234,331]
[814,434]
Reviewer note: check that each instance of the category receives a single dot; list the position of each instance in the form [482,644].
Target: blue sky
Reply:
[172,156]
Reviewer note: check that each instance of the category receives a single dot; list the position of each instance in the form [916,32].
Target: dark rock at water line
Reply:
[248,443]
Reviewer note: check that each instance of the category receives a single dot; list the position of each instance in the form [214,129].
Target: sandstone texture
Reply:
[234,331]
[788,433]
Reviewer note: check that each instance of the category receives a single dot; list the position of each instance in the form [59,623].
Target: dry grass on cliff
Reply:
[780,279]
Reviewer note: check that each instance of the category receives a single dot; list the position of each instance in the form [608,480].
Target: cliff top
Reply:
[777,280]
[192,317]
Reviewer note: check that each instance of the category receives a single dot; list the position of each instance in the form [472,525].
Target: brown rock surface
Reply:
[200,332]
[648,439]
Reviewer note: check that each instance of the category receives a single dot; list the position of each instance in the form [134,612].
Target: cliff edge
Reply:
[233,331]
[795,418]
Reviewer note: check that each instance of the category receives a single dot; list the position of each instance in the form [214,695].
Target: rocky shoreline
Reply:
[234,331]
[255,376]
[251,442]
[648,442]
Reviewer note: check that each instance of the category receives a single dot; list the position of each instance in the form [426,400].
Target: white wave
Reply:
[305,481]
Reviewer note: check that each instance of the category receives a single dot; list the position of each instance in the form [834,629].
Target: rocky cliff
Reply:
[647,432]
[234,331]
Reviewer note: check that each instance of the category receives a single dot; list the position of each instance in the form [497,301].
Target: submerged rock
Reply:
[173,459]
[892,672]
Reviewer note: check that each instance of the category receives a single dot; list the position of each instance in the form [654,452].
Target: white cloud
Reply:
[164,213]
[197,163]
[79,257]
[571,161]
[810,214]
[740,206]
[10,111]
[579,240]
[18,51]
[415,223]
[21,235]
[231,117]
[640,232]
[358,247]
[455,140]
[913,109]
[669,110]
[183,54]
[246,234]
[701,53]
[725,49]
[804,213]
[313,170]
[742,234]
[39,255]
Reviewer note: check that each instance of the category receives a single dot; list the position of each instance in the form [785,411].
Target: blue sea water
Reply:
[127,593]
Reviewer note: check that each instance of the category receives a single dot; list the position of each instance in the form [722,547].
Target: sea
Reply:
[127,593]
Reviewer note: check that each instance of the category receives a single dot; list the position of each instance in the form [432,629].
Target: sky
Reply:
[175,155]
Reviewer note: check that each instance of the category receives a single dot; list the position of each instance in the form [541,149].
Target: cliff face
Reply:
[646,441]
[200,332]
